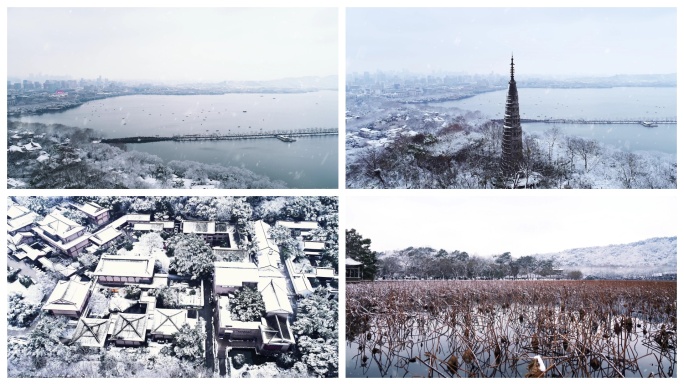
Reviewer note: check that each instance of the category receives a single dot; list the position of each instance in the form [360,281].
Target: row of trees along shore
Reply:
[430,263]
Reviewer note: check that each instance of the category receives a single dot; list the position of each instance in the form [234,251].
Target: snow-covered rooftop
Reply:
[90,209]
[30,252]
[168,321]
[325,272]
[105,236]
[314,245]
[114,265]
[19,217]
[351,262]
[55,224]
[15,211]
[301,285]
[133,218]
[300,225]
[153,226]
[130,327]
[234,274]
[67,296]
[274,293]
[91,332]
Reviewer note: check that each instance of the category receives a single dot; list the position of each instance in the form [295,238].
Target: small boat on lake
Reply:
[285,138]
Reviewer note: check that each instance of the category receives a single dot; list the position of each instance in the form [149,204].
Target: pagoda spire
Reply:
[512,70]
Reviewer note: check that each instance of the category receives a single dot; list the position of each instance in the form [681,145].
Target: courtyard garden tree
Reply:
[188,344]
[247,305]
[192,256]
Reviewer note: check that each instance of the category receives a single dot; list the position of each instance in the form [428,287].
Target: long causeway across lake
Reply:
[282,135]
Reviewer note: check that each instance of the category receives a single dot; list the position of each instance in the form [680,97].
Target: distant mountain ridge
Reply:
[654,255]
[637,259]
[295,83]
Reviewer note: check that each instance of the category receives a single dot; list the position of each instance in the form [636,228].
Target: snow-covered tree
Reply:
[43,342]
[76,215]
[188,344]
[199,207]
[20,313]
[289,246]
[167,297]
[98,304]
[192,256]
[45,281]
[143,204]
[88,260]
[358,249]
[247,305]
[149,242]
[242,215]
[270,209]
[39,204]
[303,208]
[320,356]
[317,316]
[224,208]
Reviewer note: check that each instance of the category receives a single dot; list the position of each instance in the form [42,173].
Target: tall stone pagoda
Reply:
[511,145]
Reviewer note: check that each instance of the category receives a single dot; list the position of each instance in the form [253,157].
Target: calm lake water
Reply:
[633,103]
[365,358]
[307,163]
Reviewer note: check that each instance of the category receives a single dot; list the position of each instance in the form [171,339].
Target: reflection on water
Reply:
[495,329]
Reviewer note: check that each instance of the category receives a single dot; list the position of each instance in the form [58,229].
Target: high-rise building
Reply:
[511,145]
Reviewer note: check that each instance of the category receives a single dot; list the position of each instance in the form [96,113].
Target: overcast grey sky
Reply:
[520,225]
[545,41]
[173,44]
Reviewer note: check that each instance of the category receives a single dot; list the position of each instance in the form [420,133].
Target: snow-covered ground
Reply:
[378,157]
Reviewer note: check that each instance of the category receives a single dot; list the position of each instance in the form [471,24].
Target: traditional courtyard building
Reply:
[353,269]
[96,214]
[69,298]
[130,329]
[91,332]
[122,270]
[63,234]
[19,219]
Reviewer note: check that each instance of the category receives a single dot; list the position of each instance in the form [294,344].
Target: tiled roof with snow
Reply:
[91,332]
[130,327]
[114,265]
[67,296]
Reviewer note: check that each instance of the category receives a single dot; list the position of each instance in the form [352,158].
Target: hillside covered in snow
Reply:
[656,255]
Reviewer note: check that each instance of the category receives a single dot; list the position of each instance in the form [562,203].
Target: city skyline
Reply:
[546,41]
[172,44]
[524,226]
